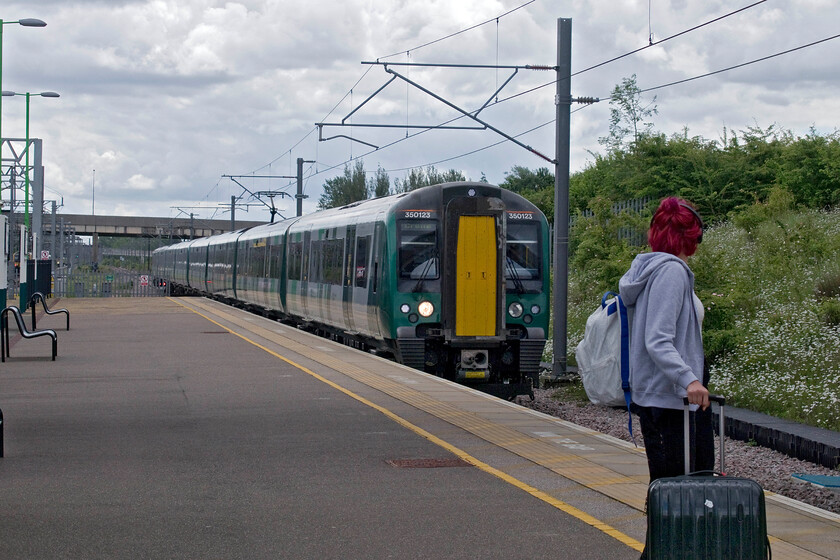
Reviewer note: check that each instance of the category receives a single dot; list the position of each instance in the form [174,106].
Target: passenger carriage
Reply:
[451,279]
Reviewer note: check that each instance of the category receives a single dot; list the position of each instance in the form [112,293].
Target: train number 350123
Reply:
[418,214]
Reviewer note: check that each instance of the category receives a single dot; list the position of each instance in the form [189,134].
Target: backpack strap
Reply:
[618,305]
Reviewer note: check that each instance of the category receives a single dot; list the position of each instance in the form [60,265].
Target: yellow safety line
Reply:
[537,493]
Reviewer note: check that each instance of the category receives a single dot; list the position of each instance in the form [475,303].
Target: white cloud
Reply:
[162,97]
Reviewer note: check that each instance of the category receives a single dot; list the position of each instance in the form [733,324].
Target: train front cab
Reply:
[487,334]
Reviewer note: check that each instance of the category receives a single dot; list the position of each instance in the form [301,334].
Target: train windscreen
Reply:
[418,249]
[523,252]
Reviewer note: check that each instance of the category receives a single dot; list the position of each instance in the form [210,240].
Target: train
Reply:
[451,279]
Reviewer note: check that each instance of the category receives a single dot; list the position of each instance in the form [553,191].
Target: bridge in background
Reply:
[136,226]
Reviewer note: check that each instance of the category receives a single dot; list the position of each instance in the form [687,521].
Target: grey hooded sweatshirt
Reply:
[666,345]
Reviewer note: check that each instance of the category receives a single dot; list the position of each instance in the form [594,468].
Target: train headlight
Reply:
[405,308]
[426,308]
[535,309]
[515,310]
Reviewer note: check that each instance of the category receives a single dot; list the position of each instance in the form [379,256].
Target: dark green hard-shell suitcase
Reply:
[702,517]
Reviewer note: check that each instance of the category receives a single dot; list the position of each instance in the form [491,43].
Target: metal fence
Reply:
[108,284]
[633,236]
[637,205]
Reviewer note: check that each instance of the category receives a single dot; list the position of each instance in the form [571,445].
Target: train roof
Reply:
[268,230]
[366,209]
[425,195]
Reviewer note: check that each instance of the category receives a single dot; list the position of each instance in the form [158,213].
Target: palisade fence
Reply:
[107,284]
[632,235]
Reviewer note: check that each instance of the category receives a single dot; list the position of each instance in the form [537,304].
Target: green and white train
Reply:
[451,279]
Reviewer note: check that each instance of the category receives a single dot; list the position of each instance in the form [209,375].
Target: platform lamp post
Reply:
[28,22]
[24,285]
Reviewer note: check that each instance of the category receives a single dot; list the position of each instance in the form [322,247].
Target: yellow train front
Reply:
[468,296]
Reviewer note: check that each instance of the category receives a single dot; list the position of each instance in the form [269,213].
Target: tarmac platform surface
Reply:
[183,428]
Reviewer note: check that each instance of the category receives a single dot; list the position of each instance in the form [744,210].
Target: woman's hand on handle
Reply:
[697,394]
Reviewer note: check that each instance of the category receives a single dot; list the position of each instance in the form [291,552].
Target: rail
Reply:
[34,299]
[24,332]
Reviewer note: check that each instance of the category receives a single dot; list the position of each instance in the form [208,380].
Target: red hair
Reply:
[676,228]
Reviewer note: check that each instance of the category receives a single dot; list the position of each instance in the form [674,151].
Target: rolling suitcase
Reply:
[700,517]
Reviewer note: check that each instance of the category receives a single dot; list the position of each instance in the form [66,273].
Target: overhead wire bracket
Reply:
[473,115]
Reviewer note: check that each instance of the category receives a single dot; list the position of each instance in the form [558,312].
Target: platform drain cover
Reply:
[427,463]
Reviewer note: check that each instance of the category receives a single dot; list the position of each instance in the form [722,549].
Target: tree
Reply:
[380,184]
[627,115]
[537,186]
[347,188]
[418,178]
[522,180]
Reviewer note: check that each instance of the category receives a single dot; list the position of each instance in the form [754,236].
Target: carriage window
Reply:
[316,258]
[418,249]
[333,253]
[523,252]
[275,258]
[361,261]
[295,260]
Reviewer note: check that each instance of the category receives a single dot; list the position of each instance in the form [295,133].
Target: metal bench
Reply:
[39,296]
[24,332]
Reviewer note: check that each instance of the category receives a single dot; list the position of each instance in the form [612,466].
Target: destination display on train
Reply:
[420,225]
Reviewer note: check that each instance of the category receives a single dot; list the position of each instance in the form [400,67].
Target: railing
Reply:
[108,284]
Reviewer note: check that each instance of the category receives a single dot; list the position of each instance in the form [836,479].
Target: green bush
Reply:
[830,312]
[719,343]
[829,285]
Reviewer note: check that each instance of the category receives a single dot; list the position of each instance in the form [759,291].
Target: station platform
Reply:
[184,428]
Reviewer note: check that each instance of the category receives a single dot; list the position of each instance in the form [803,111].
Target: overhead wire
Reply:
[636,51]
[762,59]
[677,82]
[553,82]
[458,32]
[340,101]
[650,44]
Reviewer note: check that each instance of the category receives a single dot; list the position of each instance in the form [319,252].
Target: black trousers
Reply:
[664,436]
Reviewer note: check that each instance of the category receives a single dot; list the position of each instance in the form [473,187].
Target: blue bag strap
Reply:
[625,351]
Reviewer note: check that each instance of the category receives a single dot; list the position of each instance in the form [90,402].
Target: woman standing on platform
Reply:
[666,345]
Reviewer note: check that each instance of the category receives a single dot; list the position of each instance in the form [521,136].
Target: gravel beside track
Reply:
[769,468]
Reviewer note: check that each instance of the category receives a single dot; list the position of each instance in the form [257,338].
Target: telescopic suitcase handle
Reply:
[712,398]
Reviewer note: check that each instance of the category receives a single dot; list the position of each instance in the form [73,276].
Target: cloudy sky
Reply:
[163,97]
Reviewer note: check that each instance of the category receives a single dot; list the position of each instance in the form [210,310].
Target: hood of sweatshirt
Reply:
[643,268]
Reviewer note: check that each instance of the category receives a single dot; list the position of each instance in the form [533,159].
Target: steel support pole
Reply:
[26,169]
[53,251]
[37,186]
[24,261]
[232,213]
[562,101]
[299,196]
[62,244]
[12,232]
